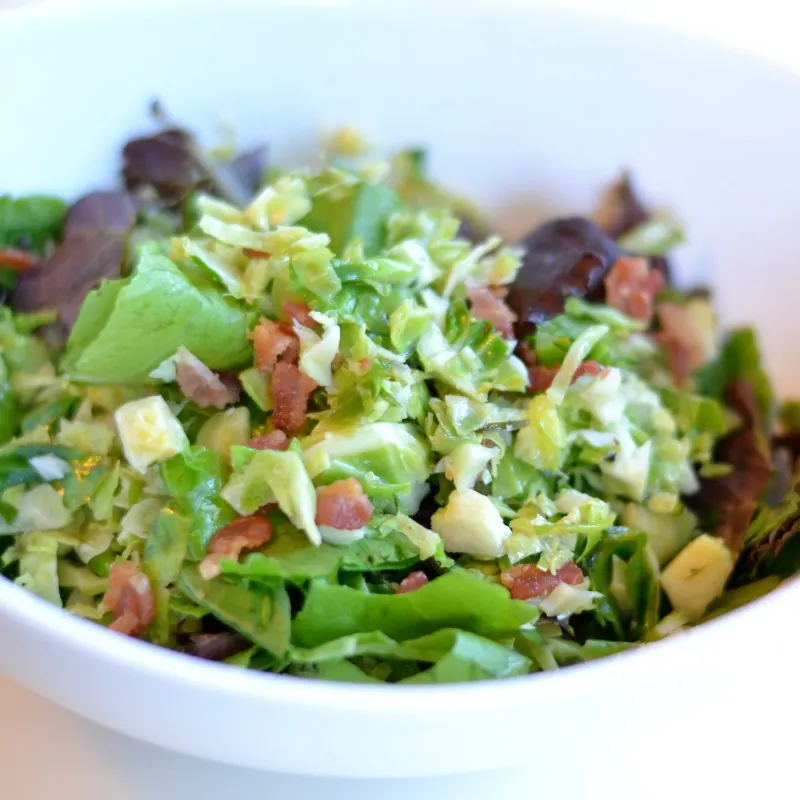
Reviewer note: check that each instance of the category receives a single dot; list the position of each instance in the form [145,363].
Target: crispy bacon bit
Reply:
[412,582]
[489,304]
[18,260]
[250,253]
[300,313]
[291,390]
[130,599]
[275,440]
[343,505]
[631,286]
[245,533]
[200,384]
[588,368]
[525,581]
[688,346]
[273,341]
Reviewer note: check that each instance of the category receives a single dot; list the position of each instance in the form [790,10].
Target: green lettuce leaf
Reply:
[632,614]
[289,557]
[470,658]
[15,466]
[457,655]
[271,476]
[165,549]
[195,479]
[10,412]
[358,211]
[124,332]
[30,222]
[457,600]
[38,566]
[739,358]
[261,614]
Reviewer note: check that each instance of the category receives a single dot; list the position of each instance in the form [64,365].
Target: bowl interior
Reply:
[528,111]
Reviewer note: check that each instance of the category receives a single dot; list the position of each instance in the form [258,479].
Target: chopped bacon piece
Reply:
[541,377]
[250,253]
[300,313]
[291,390]
[343,505]
[18,260]
[276,440]
[588,368]
[689,343]
[489,305]
[412,582]
[130,599]
[631,286]
[525,581]
[200,384]
[273,341]
[245,533]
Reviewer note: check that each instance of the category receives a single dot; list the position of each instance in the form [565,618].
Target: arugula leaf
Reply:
[166,547]
[195,479]
[458,600]
[125,332]
[260,613]
[30,222]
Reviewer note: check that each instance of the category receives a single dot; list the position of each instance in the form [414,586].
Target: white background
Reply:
[48,753]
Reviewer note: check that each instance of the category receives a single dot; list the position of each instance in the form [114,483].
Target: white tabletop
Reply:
[46,752]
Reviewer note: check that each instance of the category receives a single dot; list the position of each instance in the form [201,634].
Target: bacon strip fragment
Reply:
[245,533]
[273,341]
[18,260]
[526,581]
[343,505]
[275,440]
[688,345]
[129,597]
[291,390]
[631,286]
[488,304]
[300,313]
[250,253]
[201,385]
[412,582]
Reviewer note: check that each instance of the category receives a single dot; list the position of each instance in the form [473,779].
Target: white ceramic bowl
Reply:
[529,111]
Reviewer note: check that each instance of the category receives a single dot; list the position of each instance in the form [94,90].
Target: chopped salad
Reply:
[325,423]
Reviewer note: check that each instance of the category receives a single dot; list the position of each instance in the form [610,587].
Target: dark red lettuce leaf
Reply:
[249,168]
[169,166]
[163,164]
[92,248]
[564,257]
[217,646]
[729,502]
[620,210]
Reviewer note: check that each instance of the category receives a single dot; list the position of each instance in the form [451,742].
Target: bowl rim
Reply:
[54,623]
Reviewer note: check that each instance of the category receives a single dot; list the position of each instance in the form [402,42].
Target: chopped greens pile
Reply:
[323,423]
